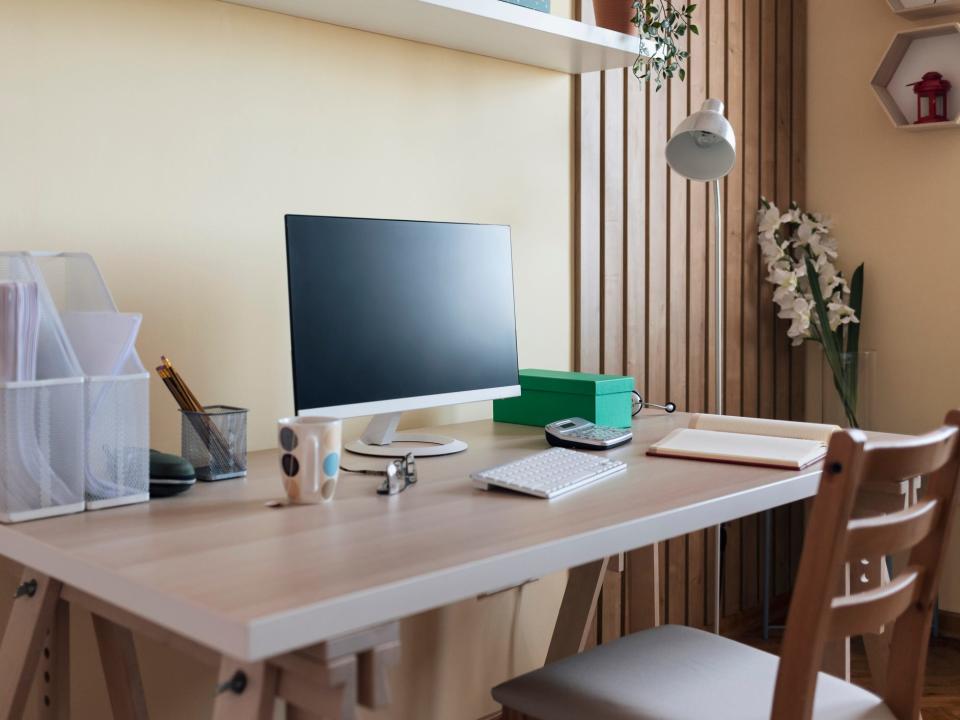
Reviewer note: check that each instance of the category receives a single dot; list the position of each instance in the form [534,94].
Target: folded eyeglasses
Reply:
[400,474]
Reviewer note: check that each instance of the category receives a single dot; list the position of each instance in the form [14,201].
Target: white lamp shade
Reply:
[703,146]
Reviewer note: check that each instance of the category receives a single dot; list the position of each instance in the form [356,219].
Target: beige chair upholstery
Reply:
[673,673]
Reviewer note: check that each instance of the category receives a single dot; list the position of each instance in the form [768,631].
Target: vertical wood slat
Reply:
[798,180]
[613,287]
[784,53]
[677,365]
[715,16]
[767,177]
[699,582]
[734,212]
[635,217]
[783,196]
[751,534]
[587,319]
[588,224]
[798,355]
[644,262]
[657,246]
[611,239]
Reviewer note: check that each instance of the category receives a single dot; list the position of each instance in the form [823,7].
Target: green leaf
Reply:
[683,74]
[856,302]
[694,29]
[831,349]
[853,335]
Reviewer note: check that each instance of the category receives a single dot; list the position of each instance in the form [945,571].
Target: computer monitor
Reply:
[394,315]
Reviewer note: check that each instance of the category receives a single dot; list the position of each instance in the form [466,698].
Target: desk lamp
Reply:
[704,148]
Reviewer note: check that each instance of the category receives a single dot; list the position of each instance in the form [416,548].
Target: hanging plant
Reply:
[664,23]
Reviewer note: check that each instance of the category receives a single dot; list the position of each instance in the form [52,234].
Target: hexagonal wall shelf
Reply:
[913,10]
[910,55]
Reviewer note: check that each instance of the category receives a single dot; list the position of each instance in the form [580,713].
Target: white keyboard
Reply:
[549,473]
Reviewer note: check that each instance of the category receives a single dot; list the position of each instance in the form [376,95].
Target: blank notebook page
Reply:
[739,448]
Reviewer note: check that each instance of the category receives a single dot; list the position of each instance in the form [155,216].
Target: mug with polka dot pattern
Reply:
[309,457]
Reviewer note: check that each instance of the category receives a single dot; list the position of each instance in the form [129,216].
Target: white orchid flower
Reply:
[840,314]
[822,245]
[823,221]
[772,252]
[783,277]
[793,215]
[784,296]
[799,316]
[805,231]
[768,221]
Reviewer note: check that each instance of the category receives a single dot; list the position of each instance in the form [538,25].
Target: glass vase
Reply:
[848,400]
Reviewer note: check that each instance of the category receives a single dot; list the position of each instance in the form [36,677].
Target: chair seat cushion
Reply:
[673,673]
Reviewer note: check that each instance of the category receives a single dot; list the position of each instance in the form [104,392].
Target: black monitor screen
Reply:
[390,309]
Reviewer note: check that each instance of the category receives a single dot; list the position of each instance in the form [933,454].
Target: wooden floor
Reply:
[941,699]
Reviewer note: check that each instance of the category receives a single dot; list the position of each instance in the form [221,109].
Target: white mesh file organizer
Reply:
[116,388]
[41,409]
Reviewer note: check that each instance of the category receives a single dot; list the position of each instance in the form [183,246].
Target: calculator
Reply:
[584,435]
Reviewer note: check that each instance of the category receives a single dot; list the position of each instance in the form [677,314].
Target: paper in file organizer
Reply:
[19,325]
[102,341]
[747,441]
[40,401]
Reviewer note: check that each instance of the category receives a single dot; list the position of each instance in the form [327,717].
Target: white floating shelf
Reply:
[923,11]
[486,27]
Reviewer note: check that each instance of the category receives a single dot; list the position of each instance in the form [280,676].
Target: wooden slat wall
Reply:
[644,263]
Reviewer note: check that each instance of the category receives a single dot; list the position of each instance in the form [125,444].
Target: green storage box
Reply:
[550,395]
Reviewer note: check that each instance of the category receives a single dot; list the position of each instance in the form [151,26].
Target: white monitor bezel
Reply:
[422,402]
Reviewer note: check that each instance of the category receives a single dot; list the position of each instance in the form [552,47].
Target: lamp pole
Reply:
[718,342]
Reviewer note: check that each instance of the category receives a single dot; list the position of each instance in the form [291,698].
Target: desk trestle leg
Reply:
[54,668]
[245,691]
[325,681]
[121,670]
[570,634]
[33,614]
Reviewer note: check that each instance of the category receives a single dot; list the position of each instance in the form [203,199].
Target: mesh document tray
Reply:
[42,420]
[116,405]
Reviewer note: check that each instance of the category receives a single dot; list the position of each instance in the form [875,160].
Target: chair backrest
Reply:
[818,614]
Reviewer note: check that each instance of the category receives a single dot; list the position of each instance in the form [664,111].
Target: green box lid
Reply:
[575,383]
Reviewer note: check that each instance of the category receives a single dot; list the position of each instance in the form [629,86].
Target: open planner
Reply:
[747,441]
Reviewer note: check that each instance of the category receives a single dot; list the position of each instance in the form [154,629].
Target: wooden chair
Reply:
[674,672]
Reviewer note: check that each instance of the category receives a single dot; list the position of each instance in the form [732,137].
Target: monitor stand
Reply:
[382,439]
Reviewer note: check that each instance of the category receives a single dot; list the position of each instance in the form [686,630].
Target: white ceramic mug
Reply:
[309,457]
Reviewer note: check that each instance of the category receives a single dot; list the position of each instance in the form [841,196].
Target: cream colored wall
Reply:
[169,137]
[893,196]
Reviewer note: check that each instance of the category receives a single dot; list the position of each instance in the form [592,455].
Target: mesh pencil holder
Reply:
[215,441]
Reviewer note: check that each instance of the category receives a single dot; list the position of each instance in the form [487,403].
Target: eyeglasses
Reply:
[400,474]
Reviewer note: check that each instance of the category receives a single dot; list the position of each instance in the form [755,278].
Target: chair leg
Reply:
[33,613]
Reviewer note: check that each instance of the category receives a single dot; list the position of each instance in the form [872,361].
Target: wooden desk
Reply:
[313,590]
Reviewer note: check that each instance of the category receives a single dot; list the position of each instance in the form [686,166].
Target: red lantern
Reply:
[931,98]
